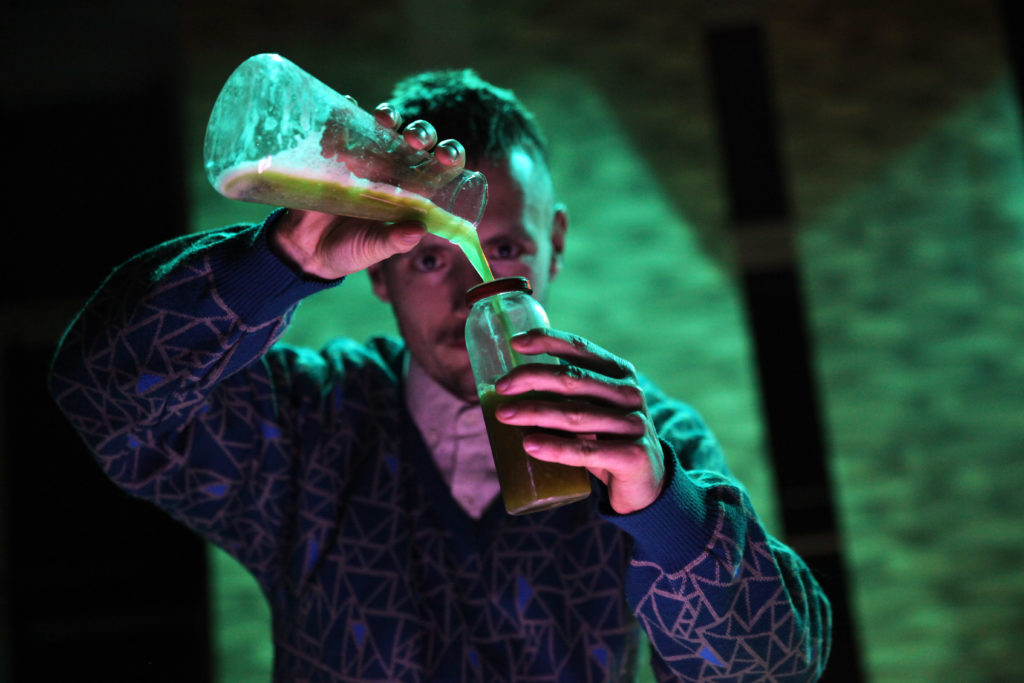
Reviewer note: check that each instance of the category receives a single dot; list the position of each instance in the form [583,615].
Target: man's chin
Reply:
[456,375]
[459,389]
[463,387]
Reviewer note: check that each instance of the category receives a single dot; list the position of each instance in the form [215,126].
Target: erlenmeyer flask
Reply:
[279,136]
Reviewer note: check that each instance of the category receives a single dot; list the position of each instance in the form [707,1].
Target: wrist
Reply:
[284,237]
[253,281]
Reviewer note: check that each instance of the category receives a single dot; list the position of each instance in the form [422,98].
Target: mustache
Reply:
[456,337]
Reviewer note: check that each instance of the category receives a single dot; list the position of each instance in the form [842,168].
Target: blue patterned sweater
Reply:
[306,467]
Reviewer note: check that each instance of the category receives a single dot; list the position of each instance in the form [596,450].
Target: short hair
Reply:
[489,121]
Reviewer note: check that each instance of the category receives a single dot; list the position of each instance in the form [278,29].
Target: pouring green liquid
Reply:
[352,196]
[527,484]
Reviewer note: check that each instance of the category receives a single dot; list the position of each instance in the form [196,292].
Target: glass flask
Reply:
[500,309]
[278,136]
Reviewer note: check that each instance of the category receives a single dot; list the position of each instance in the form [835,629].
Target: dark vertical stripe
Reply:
[760,214]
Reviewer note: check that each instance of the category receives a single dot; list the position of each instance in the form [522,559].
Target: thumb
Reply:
[372,242]
[402,237]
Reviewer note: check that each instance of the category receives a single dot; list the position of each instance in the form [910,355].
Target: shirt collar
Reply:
[456,437]
[434,409]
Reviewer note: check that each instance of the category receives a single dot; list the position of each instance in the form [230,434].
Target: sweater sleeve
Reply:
[165,374]
[719,598]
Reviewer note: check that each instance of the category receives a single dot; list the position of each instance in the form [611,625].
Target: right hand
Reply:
[331,247]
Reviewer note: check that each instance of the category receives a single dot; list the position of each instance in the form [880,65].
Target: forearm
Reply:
[164,329]
[717,596]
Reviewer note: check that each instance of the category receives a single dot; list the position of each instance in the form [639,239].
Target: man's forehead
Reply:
[527,172]
[522,166]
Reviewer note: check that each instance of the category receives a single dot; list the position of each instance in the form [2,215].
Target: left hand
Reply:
[604,416]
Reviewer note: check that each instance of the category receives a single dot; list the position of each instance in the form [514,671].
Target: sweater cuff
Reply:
[255,282]
[677,527]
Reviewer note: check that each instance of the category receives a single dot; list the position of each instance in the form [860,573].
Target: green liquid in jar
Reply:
[527,484]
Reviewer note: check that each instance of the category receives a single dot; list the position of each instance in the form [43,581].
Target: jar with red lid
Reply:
[499,310]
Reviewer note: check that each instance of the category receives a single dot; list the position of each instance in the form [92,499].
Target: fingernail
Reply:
[387,116]
[506,411]
[450,153]
[503,384]
[530,446]
[522,339]
[420,134]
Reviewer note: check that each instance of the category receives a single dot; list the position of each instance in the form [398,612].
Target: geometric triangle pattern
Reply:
[745,609]
[306,467]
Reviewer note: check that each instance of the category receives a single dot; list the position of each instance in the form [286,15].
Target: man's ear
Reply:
[559,228]
[378,281]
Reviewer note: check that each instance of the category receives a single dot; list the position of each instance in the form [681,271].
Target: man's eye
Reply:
[505,250]
[428,262]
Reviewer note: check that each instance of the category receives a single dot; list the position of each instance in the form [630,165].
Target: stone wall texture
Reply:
[900,129]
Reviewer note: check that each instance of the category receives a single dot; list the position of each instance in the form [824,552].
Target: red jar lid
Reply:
[499,286]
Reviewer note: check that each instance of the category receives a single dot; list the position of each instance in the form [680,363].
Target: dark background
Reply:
[791,195]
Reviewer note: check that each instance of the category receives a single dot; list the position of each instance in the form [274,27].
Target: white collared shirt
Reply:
[457,438]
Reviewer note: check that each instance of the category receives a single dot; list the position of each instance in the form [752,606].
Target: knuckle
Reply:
[579,343]
[636,452]
[571,376]
[632,394]
[638,421]
[586,447]
[576,417]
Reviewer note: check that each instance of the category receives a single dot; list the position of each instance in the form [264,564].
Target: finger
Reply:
[573,416]
[357,244]
[620,458]
[572,381]
[633,478]
[573,348]
[403,236]
[450,153]
[420,134]
[387,115]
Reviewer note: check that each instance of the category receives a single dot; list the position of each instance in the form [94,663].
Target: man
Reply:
[356,482]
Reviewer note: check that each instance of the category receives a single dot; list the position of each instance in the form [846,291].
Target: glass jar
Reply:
[499,310]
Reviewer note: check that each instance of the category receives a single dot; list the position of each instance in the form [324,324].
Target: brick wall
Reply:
[902,142]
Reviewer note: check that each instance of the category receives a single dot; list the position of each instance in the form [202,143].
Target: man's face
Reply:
[522,233]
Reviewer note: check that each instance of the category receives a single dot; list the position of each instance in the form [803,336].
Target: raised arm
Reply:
[166,376]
